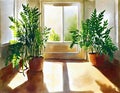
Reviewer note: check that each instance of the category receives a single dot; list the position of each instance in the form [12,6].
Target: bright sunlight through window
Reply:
[62,19]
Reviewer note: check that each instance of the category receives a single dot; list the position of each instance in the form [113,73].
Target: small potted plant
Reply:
[30,40]
[94,37]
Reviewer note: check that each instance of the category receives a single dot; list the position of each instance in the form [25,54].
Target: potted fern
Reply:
[30,40]
[94,37]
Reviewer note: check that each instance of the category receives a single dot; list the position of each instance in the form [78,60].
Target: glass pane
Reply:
[53,19]
[6,10]
[70,21]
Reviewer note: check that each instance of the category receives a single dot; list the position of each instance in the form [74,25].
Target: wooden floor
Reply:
[67,76]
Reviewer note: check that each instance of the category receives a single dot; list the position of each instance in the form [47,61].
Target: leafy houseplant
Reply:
[30,38]
[94,36]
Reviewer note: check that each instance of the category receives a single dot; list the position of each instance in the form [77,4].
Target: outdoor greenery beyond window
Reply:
[61,19]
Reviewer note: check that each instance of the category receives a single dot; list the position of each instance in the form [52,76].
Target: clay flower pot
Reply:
[36,64]
[96,59]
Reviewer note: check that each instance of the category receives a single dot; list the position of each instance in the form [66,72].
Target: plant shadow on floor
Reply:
[107,89]
[112,71]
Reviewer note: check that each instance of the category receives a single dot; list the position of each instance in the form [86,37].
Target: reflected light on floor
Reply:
[53,76]
[17,80]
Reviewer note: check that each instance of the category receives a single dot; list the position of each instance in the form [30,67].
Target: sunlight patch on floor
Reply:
[53,76]
[17,80]
[85,77]
[79,77]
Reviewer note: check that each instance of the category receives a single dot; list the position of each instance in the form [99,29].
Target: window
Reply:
[6,9]
[62,18]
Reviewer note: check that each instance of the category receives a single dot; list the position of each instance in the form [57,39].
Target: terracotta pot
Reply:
[36,64]
[35,77]
[96,59]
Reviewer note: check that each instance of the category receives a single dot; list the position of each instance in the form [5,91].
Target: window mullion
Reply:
[63,23]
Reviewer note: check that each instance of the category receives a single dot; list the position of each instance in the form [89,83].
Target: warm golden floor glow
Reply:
[71,77]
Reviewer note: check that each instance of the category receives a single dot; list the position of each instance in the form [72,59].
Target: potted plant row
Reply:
[94,37]
[30,40]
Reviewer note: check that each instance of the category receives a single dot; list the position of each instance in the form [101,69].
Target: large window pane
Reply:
[53,19]
[70,21]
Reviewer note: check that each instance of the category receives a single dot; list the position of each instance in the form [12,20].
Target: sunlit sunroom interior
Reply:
[65,69]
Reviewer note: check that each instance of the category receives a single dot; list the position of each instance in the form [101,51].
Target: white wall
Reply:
[89,6]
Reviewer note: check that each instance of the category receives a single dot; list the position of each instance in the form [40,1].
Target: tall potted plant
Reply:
[94,36]
[30,39]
